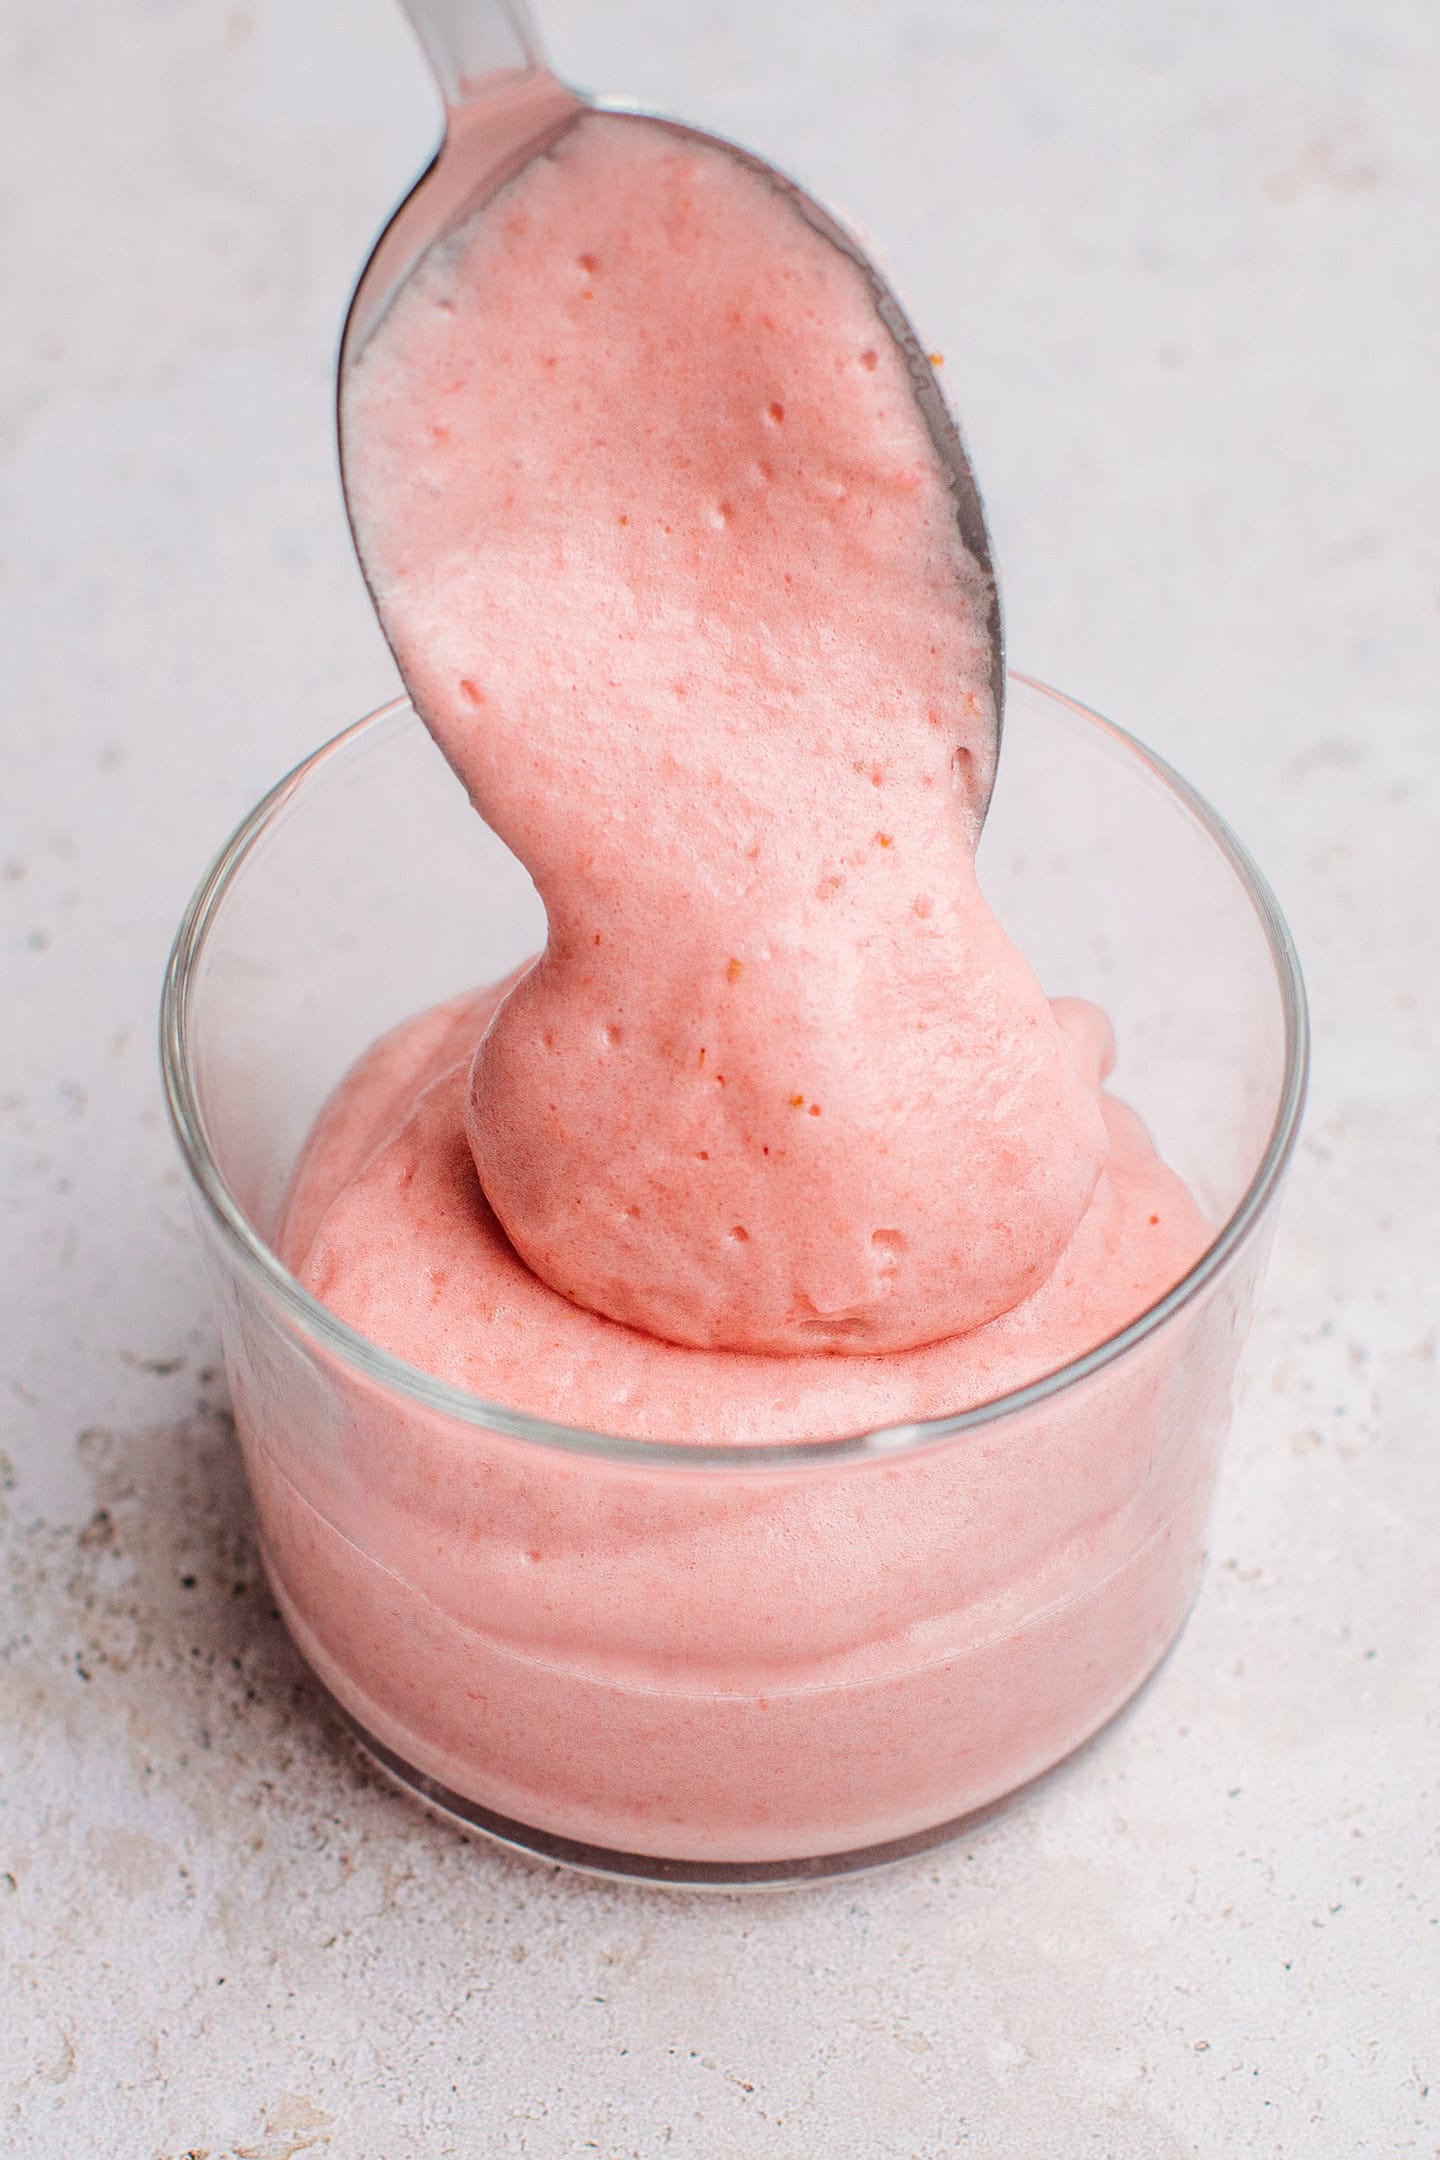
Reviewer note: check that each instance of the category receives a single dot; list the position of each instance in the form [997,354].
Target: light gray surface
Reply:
[1183,262]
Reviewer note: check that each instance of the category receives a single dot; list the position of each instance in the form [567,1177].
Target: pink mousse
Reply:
[387,1224]
[658,533]
[777,1140]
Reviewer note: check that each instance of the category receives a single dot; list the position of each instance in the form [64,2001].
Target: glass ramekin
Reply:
[567,1640]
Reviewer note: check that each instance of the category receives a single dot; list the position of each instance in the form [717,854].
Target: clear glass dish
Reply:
[622,1706]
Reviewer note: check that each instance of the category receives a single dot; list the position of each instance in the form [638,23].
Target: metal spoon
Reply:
[503,107]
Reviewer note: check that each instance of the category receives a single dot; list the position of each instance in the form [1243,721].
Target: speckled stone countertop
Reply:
[1183,263]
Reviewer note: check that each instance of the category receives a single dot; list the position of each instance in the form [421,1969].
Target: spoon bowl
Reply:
[504,107]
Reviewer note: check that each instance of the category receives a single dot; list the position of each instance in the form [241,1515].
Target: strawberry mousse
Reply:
[778,1139]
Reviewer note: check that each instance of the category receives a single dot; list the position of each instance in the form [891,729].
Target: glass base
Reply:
[718,1875]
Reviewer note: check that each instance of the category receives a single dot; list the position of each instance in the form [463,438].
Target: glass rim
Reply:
[882,1443]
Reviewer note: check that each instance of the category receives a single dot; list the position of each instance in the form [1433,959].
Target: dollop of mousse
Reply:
[386,1224]
[662,543]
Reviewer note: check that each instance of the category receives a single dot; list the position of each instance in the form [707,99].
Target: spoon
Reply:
[504,107]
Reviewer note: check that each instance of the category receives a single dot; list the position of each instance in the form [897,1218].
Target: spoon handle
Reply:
[469,42]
